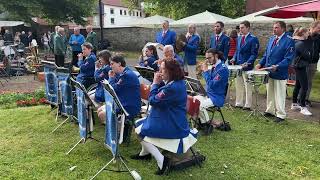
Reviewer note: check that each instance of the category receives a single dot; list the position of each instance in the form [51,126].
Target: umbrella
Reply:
[202,18]
[309,8]
[255,17]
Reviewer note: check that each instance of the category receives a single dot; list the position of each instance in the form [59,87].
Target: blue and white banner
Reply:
[82,113]
[51,84]
[65,96]
[111,133]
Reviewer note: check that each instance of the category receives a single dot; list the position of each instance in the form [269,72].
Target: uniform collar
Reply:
[279,37]
[217,63]
[221,33]
[245,37]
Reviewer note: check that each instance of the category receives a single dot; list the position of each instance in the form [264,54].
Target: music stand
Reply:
[115,138]
[85,120]
[145,72]
[51,84]
[65,101]
[194,86]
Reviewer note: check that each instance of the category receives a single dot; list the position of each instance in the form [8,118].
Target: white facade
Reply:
[117,16]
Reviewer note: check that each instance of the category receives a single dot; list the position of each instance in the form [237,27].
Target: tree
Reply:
[54,11]
[182,8]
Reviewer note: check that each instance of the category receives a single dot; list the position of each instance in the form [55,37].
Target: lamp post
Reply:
[101,13]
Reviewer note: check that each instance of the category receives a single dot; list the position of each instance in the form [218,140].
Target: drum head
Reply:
[8,50]
[255,72]
[236,67]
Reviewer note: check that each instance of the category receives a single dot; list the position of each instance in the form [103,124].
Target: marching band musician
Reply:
[219,40]
[246,54]
[127,87]
[166,126]
[150,59]
[169,53]
[279,53]
[166,36]
[190,50]
[216,82]
[87,65]
[101,73]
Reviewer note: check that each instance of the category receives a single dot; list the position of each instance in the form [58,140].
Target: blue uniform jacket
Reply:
[216,81]
[127,88]
[179,59]
[223,45]
[168,39]
[151,63]
[190,50]
[281,55]
[167,118]
[248,52]
[99,75]
[79,38]
[87,68]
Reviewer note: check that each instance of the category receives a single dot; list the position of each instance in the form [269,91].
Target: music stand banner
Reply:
[66,99]
[111,123]
[82,113]
[51,84]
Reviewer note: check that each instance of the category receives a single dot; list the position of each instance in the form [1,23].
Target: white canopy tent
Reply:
[201,18]
[263,19]
[152,21]
[10,23]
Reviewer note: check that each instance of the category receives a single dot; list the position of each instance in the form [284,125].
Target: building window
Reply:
[140,14]
[137,13]
[111,11]
[120,11]
[112,20]
[125,12]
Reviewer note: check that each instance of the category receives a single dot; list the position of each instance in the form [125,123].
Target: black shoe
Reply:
[246,108]
[308,103]
[278,120]
[165,167]
[138,157]
[266,114]
[240,107]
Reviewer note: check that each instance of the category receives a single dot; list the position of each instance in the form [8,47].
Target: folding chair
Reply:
[213,109]
[193,109]
[145,91]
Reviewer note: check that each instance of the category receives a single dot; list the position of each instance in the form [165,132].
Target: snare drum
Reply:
[258,77]
[234,71]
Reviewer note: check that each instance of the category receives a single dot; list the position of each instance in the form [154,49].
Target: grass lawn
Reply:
[254,149]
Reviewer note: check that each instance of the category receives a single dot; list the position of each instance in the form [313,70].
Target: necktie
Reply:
[242,40]
[217,39]
[275,41]
[163,33]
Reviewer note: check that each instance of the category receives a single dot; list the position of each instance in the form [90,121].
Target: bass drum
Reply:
[158,46]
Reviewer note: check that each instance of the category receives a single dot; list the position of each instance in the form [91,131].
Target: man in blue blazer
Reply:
[166,36]
[216,79]
[245,55]
[190,50]
[277,57]
[219,40]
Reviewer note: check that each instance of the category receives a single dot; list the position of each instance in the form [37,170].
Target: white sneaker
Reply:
[305,111]
[295,106]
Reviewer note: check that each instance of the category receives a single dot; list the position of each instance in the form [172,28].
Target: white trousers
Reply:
[192,71]
[243,91]
[92,95]
[205,103]
[147,148]
[276,97]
